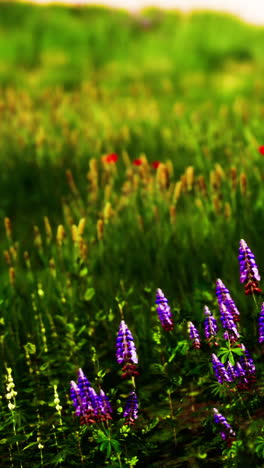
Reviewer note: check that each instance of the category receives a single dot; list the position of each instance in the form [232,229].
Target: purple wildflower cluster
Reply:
[249,273]
[164,311]
[227,432]
[89,406]
[126,351]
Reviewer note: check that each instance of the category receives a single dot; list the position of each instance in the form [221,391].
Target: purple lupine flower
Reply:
[164,311]
[248,269]
[126,351]
[106,408]
[231,371]
[210,327]
[131,409]
[261,324]
[248,366]
[194,335]
[227,432]
[223,297]
[80,394]
[76,398]
[228,324]
[219,370]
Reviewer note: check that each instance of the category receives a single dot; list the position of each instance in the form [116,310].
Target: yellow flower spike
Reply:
[220,171]
[189,177]
[184,183]
[12,276]
[100,229]
[81,226]
[177,191]
[162,176]
[83,249]
[170,167]
[13,252]
[74,233]
[7,258]
[8,228]
[215,182]
[61,235]
[108,191]
[108,212]
[48,229]
[227,210]
[243,183]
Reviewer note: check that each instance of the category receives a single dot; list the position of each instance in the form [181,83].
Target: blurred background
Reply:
[78,81]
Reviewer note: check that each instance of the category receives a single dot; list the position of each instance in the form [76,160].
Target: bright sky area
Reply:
[250,10]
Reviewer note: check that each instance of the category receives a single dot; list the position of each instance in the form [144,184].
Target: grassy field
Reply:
[131,159]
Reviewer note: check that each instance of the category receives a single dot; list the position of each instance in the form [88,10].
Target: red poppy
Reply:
[261,150]
[155,164]
[137,162]
[111,158]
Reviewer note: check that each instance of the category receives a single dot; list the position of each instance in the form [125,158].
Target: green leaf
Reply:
[89,294]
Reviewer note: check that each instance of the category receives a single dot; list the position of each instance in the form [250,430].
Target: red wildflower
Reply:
[137,162]
[155,164]
[261,150]
[111,158]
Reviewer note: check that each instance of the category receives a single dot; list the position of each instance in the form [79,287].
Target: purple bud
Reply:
[163,310]
[106,408]
[131,409]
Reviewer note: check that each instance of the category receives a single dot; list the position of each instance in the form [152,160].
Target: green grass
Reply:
[185,90]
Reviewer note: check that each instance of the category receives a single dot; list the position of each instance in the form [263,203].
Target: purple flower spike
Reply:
[223,297]
[83,384]
[194,335]
[106,408]
[227,432]
[76,398]
[131,409]
[261,324]
[247,364]
[219,370]
[228,324]
[126,351]
[210,327]
[163,310]
[249,273]
[231,371]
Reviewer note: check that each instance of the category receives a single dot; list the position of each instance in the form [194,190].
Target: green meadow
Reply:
[131,151]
